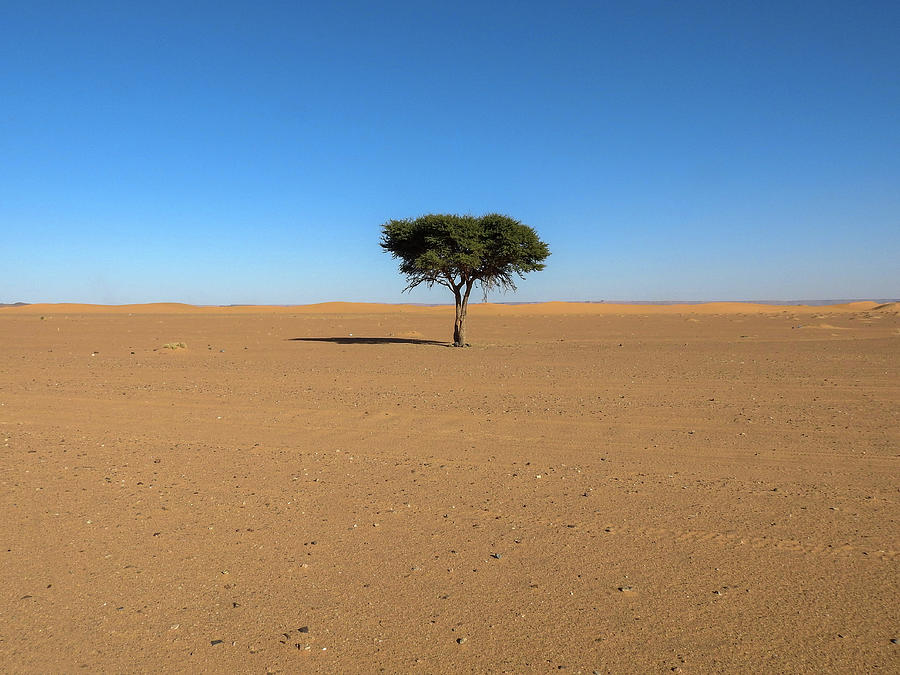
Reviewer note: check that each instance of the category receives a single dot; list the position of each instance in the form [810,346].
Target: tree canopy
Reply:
[459,251]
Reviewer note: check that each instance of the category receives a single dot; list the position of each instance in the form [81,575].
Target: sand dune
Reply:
[858,306]
[486,308]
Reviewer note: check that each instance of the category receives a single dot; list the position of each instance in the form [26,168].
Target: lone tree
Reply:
[458,251]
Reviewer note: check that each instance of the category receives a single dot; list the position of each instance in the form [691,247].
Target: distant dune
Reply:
[541,309]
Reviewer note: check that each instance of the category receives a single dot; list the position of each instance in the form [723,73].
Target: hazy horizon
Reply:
[825,302]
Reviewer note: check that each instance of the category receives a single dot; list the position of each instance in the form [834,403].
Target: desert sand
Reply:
[332,488]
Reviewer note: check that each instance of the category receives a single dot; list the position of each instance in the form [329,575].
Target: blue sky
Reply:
[248,152]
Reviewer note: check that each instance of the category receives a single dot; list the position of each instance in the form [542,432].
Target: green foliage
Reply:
[458,251]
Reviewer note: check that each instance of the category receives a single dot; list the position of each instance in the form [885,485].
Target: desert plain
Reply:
[587,488]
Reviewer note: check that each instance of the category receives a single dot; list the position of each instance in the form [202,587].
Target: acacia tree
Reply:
[460,251]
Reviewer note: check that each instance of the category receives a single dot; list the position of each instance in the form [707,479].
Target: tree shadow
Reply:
[371,341]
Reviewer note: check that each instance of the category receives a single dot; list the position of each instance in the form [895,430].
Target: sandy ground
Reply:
[610,489]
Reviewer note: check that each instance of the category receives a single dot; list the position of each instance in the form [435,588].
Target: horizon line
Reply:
[800,302]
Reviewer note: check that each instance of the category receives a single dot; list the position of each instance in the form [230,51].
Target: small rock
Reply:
[496,556]
[626,589]
[893,641]
[216,642]
[303,629]
[461,640]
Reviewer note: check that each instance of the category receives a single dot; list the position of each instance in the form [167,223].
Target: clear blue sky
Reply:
[248,152]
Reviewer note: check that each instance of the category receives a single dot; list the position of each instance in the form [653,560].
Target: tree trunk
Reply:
[459,326]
